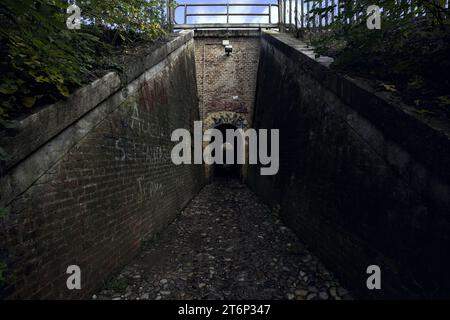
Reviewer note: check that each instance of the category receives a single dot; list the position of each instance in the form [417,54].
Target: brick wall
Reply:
[108,183]
[226,83]
[363,181]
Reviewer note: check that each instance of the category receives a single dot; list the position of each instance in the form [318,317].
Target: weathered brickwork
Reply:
[226,83]
[355,182]
[114,189]
[361,181]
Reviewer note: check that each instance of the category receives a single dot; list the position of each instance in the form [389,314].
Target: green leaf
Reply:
[8,88]
[63,90]
[42,79]
[443,100]
[28,101]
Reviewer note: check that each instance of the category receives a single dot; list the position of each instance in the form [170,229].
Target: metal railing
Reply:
[298,14]
[227,14]
[290,14]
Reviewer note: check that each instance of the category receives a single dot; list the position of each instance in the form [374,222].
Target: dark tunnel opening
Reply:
[227,171]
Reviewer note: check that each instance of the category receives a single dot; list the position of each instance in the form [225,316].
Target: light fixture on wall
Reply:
[228,47]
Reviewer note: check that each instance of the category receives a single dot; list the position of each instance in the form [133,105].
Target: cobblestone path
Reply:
[224,245]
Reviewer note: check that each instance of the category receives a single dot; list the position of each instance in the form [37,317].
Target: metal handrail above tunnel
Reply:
[227,14]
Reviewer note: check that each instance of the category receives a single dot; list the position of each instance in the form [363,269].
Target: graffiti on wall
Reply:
[225,117]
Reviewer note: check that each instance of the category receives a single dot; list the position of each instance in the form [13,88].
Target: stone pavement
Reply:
[224,245]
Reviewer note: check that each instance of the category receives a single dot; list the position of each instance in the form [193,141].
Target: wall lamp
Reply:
[228,47]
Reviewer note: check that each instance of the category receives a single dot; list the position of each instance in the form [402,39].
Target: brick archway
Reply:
[225,117]
[220,118]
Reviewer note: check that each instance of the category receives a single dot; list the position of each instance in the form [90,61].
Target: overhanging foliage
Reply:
[41,60]
[409,54]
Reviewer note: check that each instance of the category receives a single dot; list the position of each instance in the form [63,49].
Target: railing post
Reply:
[307,15]
[290,14]
[280,15]
[228,12]
[302,4]
[314,16]
[170,15]
[185,13]
[270,13]
[333,12]
[296,15]
[320,16]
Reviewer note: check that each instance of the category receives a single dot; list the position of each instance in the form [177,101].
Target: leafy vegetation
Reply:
[409,54]
[42,61]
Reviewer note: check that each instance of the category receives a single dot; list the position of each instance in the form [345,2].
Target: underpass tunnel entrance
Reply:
[223,121]
[227,170]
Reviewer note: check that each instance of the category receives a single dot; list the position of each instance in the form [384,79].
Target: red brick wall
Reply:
[220,77]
